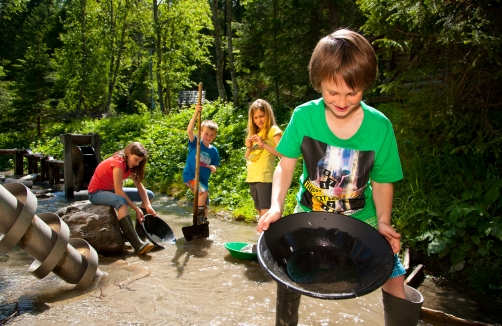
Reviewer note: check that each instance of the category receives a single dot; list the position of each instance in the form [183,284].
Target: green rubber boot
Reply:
[401,312]
[139,246]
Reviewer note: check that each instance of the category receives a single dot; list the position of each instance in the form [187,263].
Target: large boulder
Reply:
[96,224]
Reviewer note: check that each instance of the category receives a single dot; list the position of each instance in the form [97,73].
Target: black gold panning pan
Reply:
[156,230]
[325,255]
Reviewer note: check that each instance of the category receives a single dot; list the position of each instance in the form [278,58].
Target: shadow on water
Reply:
[195,248]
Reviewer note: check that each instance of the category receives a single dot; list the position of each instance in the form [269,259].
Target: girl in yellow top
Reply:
[263,136]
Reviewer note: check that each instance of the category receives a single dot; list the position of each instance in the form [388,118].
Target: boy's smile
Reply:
[207,135]
[341,100]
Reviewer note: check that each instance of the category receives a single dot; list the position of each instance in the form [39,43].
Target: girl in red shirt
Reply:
[106,188]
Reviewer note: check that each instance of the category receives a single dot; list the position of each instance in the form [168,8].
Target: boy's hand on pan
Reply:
[391,235]
[269,217]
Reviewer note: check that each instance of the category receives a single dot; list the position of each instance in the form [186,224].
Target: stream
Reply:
[187,283]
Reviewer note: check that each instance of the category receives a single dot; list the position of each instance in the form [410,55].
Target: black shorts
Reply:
[261,193]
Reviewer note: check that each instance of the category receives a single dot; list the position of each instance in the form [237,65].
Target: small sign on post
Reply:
[187,98]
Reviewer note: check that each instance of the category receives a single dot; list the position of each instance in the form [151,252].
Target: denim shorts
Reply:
[109,198]
[202,189]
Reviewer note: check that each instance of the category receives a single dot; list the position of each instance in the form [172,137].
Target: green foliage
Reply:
[444,64]
[486,277]
[273,55]
[448,206]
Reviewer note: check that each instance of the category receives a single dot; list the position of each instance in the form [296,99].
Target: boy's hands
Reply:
[391,235]
[266,219]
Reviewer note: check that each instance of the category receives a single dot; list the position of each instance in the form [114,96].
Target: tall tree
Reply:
[230,48]
[124,19]
[274,48]
[158,51]
[34,73]
[451,74]
[220,60]
[184,44]
[7,96]
[83,60]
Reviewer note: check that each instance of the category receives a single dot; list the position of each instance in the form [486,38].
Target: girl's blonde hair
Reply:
[265,107]
[137,149]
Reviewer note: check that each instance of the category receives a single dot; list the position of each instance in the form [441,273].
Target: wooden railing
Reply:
[50,169]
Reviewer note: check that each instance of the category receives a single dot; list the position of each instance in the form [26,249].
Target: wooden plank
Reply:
[66,140]
[11,151]
[442,318]
[80,139]
[415,277]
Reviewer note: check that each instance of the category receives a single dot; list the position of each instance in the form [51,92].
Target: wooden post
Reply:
[18,163]
[68,169]
[44,167]
[95,145]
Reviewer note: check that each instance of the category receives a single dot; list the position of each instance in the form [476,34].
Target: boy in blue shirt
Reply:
[209,161]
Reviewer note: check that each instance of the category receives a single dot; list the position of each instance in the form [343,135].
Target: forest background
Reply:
[115,68]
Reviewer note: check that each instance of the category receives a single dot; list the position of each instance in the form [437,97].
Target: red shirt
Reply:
[102,178]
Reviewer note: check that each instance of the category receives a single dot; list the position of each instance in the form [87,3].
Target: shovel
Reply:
[196,231]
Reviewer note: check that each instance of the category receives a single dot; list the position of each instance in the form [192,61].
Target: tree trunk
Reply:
[333,15]
[219,51]
[275,50]
[158,38]
[235,87]
[83,4]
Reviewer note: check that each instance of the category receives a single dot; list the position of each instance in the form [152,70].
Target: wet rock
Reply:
[97,224]
[26,182]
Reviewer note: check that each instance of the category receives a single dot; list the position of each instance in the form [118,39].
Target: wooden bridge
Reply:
[75,175]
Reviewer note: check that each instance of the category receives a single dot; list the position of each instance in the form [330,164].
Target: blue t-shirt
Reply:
[208,156]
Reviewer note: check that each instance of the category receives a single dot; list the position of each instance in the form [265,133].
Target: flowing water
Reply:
[187,283]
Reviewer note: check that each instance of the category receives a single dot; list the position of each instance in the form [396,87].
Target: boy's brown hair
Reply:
[343,55]
[209,124]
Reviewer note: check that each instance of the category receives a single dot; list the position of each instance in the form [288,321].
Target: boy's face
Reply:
[207,135]
[341,100]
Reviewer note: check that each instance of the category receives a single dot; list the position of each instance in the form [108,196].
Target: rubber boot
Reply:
[401,312]
[139,246]
[201,216]
[139,229]
[286,308]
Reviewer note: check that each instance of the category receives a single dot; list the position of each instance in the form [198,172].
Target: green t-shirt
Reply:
[337,172]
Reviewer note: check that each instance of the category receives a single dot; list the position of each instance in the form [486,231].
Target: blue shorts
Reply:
[109,198]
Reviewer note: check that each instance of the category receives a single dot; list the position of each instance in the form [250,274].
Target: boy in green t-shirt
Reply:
[350,156]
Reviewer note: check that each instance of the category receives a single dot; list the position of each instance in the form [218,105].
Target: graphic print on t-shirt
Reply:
[336,177]
[205,159]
